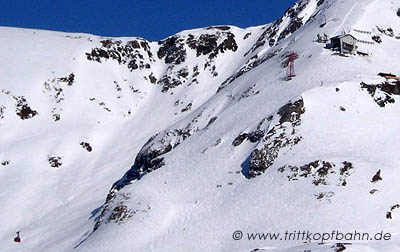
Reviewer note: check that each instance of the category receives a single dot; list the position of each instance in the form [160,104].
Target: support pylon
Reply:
[290,71]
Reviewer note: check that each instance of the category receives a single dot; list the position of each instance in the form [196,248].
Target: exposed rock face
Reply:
[274,33]
[383,93]
[253,137]
[172,50]
[282,135]
[208,44]
[117,210]
[55,89]
[4,163]
[377,177]
[149,159]
[23,110]
[55,161]
[173,79]
[340,247]
[115,213]
[136,54]
[386,31]
[389,214]
[320,172]
[2,110]
[69,80]
[377,39]
[86,146]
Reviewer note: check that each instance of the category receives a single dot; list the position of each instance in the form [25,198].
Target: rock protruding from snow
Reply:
[136,54]
[384,93]
[281,135]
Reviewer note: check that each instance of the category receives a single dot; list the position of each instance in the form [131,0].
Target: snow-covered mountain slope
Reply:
[122,144]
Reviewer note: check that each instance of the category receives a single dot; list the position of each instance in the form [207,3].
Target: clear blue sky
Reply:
[151,19]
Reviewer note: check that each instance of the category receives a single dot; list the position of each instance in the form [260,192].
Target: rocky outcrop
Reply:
[320,172]
[282,134]
[23,110]
[209,44]
[377,177]
[135,54]
[384,93]
[275,32]
[86,146]
[389,214]
[173,79]
[172,50]
[149,159]
[55,161]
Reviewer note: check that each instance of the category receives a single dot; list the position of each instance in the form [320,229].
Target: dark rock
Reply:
[293,26]
[204,45]
[291,112]
[262,159]
[340,247]
[131,54]
[56,117]
[187,108]
[153,79]
[373,191]
[388,32]
[207,44]
[69,80]
[86,146]
[23,110]
[249,92]
[324,195]
[2,110]
[395,207]
[4,163]
[173,80]
[247,35]
[389,213]
[212,120]
[377,177]
[389,90]
[150,157]
[239,139]
[120,214]
[319,171]
[272,34]
[222,28]
[55,161]
[256,136]
[377,39]
[172,50]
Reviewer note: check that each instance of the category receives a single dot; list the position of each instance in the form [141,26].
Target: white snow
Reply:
[199,197]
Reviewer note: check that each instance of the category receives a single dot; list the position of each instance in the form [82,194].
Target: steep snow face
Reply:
[116,144]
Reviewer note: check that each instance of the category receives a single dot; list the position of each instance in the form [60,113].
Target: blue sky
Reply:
[153,20]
